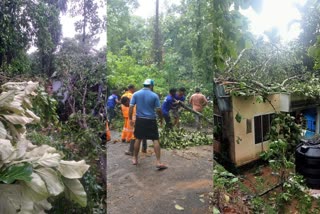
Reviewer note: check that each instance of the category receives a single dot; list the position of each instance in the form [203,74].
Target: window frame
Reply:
[263,132]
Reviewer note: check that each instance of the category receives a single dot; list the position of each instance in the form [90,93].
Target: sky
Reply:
[69,31]
[275,13]
[148,7]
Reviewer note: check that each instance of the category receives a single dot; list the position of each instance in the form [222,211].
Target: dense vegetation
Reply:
[72,78]
[270,66]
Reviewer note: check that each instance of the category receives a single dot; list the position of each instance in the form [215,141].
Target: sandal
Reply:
[161,167]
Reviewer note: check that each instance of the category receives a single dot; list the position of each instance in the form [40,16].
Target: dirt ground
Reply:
[144,189]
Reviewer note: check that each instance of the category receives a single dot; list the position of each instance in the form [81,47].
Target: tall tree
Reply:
[310,19]
[118,20]
[157,46]
[90,24]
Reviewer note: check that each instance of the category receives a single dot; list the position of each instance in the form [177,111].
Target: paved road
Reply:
[143,189]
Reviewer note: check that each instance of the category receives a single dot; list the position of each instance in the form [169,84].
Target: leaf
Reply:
[17,119]
[73,169]
[6,97]
[259,99]
[178,207]
[202,200]
[50,160]
[31,87]
[40,151]
[32,115]
[75,191]
[227,198]
[215,211]
[35,189]
[40,206]
[16,172]
[238,117]
[3,131]
[10,198]
[233,180]
[53,181]
[21,148]
[6,149]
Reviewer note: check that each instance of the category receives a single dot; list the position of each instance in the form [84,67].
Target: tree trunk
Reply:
[157,39]
[195,112]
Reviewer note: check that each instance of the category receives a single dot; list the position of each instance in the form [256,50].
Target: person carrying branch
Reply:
[110,105]
[179,96]
[147,104]
[198,102]
[167,105]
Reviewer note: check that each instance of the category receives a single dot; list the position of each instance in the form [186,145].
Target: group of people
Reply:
[173,101]
[140,111]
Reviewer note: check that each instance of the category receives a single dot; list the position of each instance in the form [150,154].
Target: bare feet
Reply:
[134,161]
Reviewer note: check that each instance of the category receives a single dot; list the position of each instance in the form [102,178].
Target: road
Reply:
[144,189]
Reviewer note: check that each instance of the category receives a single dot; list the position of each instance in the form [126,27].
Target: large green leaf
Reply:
[73,169]
[75,191]
[53,181]
[16,172]
[36,189]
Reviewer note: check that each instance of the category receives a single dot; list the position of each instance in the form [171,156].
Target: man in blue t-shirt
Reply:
[147,104]
[167,105]
[111,104]
[179,96]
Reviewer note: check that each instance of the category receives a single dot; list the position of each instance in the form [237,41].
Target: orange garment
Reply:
[198,101]
[127,94]
[108,132]
[127,131]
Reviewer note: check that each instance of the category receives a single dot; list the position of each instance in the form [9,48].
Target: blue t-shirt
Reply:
[177,97]
[146,102]
[111,103]
[167,105]
[182,99]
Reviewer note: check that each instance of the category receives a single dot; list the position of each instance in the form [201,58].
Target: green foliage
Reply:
[82,71]
[224,179]
[124,70]
[90,23]
[16,172]
[26,23]
[30,174]
[178,138]
[314,52]
[238,117]
[74,142]
[46,107]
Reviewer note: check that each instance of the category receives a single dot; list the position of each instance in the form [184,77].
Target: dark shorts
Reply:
[168,121]
[146,129]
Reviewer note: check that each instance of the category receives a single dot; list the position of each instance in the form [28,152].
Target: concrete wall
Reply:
[245,150]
